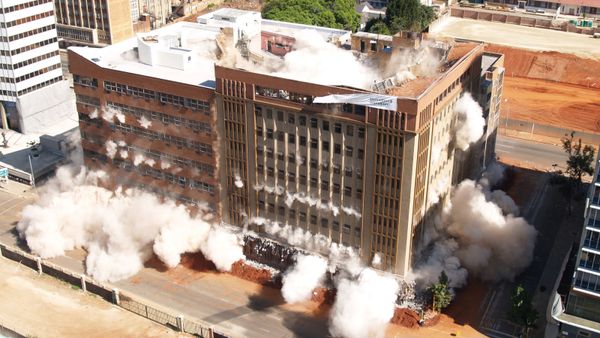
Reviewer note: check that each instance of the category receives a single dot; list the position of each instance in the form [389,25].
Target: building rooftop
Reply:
[187,52]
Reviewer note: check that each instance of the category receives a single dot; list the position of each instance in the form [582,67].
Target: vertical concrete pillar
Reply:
[39,264]
[3,117]
[115,296]
[179,320]
[83,284]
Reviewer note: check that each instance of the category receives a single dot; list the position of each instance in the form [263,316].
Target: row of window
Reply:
[282,94]
[314,182]
[179,142]
[28,33]
[324,222]
[314,164]
[32,88]
[590,261]
[592,240]
[178,101]
[173,179]
[175,160]
[19,7]
[30,75]
[85,81]
[30,61]
[26,19]
[587,281]
[28,47]
[314,122]
[195,126]
[87,100]
[314,143]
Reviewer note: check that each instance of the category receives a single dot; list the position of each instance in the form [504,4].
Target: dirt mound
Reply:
[552,66]
[405,317]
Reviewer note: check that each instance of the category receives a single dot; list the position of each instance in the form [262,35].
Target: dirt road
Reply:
[40,306]
[552,103]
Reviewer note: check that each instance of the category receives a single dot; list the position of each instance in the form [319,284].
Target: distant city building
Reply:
[256,146]
[104,22]
[568,7]
[32,90]
[580,317]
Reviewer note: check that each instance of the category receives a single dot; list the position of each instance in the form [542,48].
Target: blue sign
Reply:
[3,172]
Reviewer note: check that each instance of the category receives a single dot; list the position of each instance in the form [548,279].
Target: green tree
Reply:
[440,293]
[580,158]
[522,312]
[408,15]
[327,13]
[377,26]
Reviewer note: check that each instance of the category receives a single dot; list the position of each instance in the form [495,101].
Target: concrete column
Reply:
[83,284]
[39,264]
[115,296]
[179,320]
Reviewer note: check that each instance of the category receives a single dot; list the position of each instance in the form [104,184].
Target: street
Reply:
[530,154]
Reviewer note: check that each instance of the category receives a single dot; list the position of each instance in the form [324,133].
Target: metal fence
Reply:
[536,129]
[108,293]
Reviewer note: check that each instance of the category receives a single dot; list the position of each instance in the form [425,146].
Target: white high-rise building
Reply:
[32,90]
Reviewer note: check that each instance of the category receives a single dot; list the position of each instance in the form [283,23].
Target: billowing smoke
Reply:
[363,305]
[470,124]
[238,181]
[478,230]
[120,230]
[144,122]
[302,278]
[111,148]
[324,63]
[492,244]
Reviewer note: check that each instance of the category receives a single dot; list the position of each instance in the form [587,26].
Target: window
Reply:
[325,185]
[359,193]
[337,128]
[280,116]
[349,131]
[302,120]
[291,119]
[281,211]
[348,191]
[336,188]
[302,216]
[259,131]
[270,171]
[291,139]
[337,148]
[324,222]
[314,164]
[269,133]
[326,125]
[313,219]
[361,154]
[348,171]
[349,151]
[336,169]
[336,226]
[313,182]
[281,174]
[361,132]
[280,136]
[314,123]
[302,179]
[303,141]
[271,207]
[292,213]
[314,144]
[260,168]
[346,229]
[292,158]
[270,113]
[258,111]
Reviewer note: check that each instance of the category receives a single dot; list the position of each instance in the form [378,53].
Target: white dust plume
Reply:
[111,148]
[470,124]
[363,306]
[238,181]
[119,229]
[303,277]
[144,122]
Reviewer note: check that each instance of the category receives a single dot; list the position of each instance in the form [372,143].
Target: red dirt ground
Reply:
[550,103]
[552,66]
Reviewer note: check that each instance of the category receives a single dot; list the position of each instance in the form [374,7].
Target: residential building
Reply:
[579,314]
[30,67]
[273,148]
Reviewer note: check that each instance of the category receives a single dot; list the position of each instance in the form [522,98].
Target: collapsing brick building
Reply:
[211,113]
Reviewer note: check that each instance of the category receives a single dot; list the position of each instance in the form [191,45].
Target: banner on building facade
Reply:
[367,99]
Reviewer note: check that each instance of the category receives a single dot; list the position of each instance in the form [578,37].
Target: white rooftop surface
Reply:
[122,57]
[290,29]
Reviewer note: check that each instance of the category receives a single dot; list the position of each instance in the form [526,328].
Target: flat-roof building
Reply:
[331,153]
[31,66]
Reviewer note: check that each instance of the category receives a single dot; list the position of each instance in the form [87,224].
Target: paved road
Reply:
[531,154]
